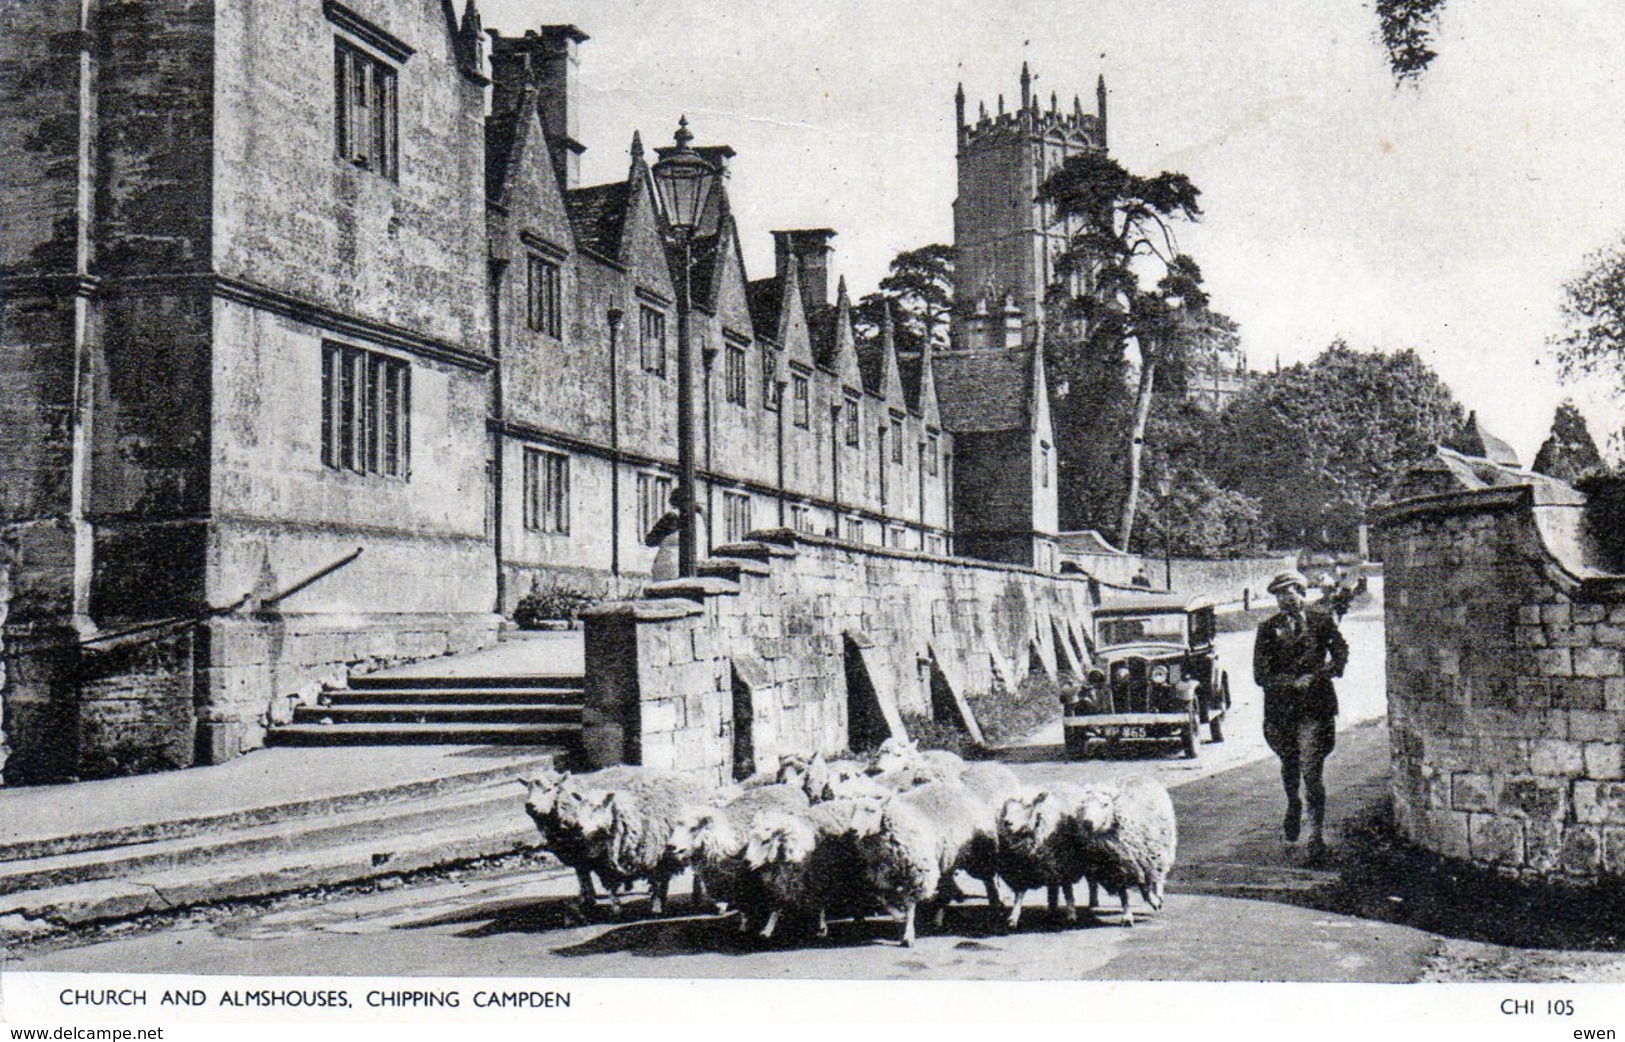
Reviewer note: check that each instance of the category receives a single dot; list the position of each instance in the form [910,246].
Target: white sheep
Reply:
[712,840]
[1038,847]
[912,844]
[1127,838]
[808,863]
[615,823]
[903,756]
[560,838]
[817,776]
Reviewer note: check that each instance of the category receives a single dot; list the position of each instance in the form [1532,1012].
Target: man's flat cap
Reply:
[1288,578]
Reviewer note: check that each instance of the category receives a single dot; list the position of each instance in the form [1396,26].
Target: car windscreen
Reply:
[1139,629]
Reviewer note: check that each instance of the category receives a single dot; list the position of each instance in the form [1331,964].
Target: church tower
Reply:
[1005,240]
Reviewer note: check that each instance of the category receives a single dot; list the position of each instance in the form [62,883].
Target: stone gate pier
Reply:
[1506,671]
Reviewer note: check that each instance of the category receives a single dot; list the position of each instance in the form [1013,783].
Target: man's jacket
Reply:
[1287,649]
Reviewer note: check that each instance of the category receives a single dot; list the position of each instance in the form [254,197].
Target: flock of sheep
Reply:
[820,840]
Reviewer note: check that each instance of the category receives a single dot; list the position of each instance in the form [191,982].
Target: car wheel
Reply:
[1190,740]
[1215,728]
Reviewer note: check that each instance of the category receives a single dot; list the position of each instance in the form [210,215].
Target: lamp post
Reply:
[685,182]
[1165,490]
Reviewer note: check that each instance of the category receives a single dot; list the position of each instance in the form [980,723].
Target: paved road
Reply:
[1241,905]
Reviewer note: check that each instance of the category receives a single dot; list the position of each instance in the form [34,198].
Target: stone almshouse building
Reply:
[312,338]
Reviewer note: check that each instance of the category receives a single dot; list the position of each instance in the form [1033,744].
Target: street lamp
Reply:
[1165,490]
[685,182]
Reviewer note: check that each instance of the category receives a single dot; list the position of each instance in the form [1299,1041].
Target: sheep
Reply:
[713,839]
[1127,837]
[615,823]
[901,755]
[912,844]
[858,786]
[993,782]
[561,839]
[1038,847]
[818,777]
[808,862]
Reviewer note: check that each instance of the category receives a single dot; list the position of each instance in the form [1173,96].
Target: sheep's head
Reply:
[705,832]
[586,811]
[779,839]
[810,774]
[541,791]
[1029,819]
[866,813]
[1097,811]
[896,753]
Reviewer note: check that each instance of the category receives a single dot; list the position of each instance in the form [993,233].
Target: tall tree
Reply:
[1125,225]
[920,288]
[1319,444]
[1569,453]
[1593,309]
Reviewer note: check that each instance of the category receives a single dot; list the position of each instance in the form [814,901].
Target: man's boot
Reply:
[1315,849]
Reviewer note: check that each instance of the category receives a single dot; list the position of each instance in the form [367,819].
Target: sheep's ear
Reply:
[607,800]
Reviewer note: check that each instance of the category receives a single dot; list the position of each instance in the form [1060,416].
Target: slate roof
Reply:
[499,140]
[983,391]
[872,363]
[909,370]
[821,331]
[707,256]
[763,297]
[598,215]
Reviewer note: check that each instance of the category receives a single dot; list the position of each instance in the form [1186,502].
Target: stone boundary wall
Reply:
[1223,580]
[1506,684]
[797,643]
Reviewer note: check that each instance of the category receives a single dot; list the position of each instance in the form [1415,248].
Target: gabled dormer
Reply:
[841,357]
[920,385]
[887,380]
[724,289]
[618,223]
[522,182]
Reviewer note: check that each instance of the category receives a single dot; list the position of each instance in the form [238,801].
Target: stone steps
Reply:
[179,824]
[269,874]
[430,705]
[272,851]
[499,802]
[438,712]
[432,732]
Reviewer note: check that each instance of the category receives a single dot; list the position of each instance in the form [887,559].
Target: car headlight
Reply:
[1159,674]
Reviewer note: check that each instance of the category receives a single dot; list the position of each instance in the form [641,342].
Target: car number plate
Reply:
[1124,731]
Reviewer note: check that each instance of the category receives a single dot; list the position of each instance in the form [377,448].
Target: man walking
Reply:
[1298,652]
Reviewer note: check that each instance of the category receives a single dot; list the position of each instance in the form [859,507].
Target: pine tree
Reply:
[1569,454]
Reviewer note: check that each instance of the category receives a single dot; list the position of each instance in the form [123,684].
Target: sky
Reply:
[1444,218]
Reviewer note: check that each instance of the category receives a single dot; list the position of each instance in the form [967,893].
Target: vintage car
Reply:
[1155,676]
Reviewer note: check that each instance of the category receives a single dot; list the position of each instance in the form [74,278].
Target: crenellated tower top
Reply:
[1006,240]
[1077,127]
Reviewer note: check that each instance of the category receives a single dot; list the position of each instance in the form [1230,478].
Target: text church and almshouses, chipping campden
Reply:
[285,282]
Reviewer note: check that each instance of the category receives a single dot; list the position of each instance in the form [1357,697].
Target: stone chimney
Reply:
[544,60]
[811,249]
